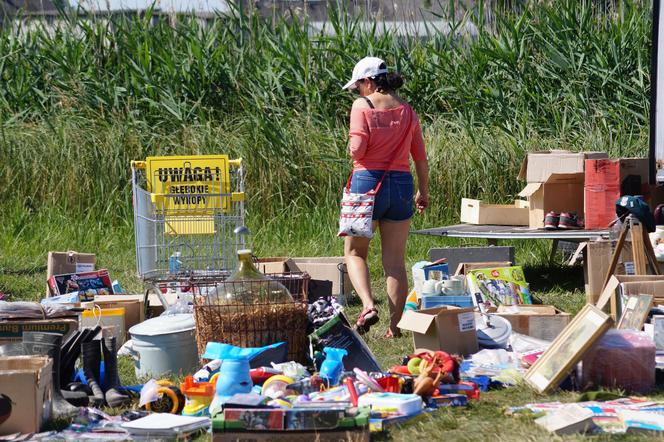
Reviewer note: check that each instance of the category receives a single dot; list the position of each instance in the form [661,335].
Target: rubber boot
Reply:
[91,360]
[48,344]
[114,398]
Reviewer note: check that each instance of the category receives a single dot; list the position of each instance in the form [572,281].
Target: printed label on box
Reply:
[466,321]
[82,267]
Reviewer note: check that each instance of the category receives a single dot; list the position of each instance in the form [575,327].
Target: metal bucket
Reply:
[164,345]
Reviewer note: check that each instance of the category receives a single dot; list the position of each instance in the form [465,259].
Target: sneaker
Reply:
[570,221]
[551,220]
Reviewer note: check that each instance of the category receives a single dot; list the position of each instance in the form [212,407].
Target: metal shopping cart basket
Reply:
[187,211]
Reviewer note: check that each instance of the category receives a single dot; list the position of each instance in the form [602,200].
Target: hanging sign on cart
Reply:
[185,185]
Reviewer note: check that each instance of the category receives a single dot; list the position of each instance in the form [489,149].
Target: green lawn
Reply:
[22,273]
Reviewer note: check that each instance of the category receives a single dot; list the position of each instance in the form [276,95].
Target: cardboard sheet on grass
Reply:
[25,393]
[445,328]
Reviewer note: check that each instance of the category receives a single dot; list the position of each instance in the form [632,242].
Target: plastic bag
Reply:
[149,393]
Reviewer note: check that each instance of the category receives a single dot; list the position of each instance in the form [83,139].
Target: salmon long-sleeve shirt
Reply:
[374,134]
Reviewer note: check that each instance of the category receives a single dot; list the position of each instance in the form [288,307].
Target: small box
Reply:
[479,213]
[607,180]
[432,301]
[254,419]
[12,330]
[464,267]
[539,321]
[134,308]
[327,268]
[62,263]
[442,328]
[112,321]
[559,193]
[537,167]
[25,393]
[87,284]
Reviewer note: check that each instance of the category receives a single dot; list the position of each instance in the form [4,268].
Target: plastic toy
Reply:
[233,378]
[198,397]
[333,365]
[276,386]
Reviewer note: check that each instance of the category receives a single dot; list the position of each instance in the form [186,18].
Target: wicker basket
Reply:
[258,324]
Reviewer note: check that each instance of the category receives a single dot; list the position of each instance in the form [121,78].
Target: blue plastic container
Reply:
[438,300]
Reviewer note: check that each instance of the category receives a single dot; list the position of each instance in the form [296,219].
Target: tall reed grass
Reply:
[81,98]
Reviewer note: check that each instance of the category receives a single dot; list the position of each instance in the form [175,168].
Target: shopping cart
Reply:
[188,219]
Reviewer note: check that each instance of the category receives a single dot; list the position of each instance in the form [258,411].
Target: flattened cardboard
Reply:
[537,167]
[61,263]
[12,330]
[539,321]
[442,328]
[25,381]
[479,213]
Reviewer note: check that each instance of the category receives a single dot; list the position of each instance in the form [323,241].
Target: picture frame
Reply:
[568,348]
[635,313]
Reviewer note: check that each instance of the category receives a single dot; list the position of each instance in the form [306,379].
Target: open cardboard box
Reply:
[61,263]
[464,267]
[327,272]
[479,213]
[630,285]
[445,328]
[539,321]
[537,167]
[560,193]
[25,393]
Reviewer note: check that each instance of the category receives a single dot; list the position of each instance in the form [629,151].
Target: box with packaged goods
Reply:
[477,212]
[555,183]
[63,263]
[491,287]
[25,393]
[606,181]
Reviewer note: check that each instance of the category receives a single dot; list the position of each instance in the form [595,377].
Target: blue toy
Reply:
[333,365]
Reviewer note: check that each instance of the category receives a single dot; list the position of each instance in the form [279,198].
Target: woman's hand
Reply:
[421,201]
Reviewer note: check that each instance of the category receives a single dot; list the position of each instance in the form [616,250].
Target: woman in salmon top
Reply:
[384,133]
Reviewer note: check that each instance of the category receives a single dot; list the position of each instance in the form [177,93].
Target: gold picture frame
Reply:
[568,348]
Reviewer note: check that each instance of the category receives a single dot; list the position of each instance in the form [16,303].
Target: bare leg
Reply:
[393,237]
[356,250]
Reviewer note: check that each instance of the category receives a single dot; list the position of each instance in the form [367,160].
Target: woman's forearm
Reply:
[422,172]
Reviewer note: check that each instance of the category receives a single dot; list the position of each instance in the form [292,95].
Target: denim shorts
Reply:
[394,201]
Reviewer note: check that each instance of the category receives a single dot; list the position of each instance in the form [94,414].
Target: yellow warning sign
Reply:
[186,185]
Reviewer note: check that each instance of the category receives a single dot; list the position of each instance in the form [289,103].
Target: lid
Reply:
[492,332]
[163,325]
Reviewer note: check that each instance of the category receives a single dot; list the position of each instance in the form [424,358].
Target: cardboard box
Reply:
[597,257]
[134,308]
[625,285]
[477,212]
[12,330]
[111,320]
[607,180]
[320,269]
[465,267]
[61,263]
[86,284]
[277,265]
[357,435]
[25,392]
[537,167]
[560,193]
[442,328]
[539,321]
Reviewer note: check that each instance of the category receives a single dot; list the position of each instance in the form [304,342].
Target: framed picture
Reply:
[635,313]
[568,348]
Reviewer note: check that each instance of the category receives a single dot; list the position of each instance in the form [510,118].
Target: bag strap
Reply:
[396,154]
[371,105]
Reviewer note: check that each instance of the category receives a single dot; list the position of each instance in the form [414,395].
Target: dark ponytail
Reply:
[388,82]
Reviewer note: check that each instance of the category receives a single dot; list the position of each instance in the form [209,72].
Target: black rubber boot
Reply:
[114,398]
[48,344]
[91,360]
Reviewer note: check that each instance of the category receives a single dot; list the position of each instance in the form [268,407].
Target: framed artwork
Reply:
[635,313]
[568,348]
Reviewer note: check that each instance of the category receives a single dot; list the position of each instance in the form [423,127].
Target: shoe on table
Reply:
[551,220]
[570,221]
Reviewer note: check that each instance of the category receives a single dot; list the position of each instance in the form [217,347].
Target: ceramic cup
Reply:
[430,287]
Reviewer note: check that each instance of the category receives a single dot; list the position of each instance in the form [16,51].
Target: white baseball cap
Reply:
[365,68]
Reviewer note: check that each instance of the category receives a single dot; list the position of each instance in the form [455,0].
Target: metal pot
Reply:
[164,345]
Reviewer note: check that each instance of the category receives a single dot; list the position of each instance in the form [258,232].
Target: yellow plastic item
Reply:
[279,382]
[198,395]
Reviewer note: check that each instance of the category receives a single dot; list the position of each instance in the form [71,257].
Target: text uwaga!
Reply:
[198,179]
